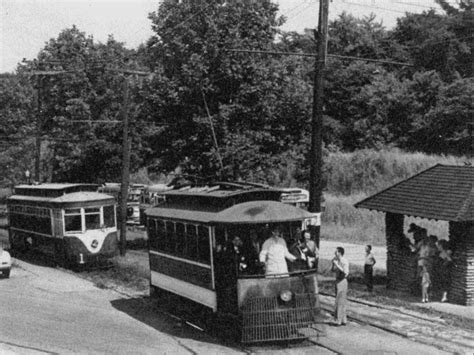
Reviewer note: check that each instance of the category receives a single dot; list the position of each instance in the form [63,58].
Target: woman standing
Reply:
[445,267]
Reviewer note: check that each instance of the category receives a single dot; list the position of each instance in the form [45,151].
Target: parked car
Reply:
[5,263]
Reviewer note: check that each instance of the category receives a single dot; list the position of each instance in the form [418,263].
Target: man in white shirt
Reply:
[340,266]
[274,252]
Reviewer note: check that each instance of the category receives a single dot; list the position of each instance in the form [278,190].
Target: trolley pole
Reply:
[125,170]
[316,161]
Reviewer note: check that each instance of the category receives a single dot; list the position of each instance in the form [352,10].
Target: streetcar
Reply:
[72,223]
[190,236]
[133,201]
[151,195]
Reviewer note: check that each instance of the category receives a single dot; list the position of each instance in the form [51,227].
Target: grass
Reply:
[367,171]
[341,221]
[129,273]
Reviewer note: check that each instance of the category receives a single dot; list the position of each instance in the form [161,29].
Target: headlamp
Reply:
[286,296]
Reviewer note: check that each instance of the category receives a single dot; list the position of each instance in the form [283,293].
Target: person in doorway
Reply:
[340,266]
[444,268]
[311,250]
[237,256]
[369,268]
[274,252]
[425,284]
[252,252]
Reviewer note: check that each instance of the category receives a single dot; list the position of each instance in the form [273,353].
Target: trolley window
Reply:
[180,240]
[109,216]
[73,220]
[204,253]
[152,234]
[161,232]
[191,242]
[169,240]
[92,217]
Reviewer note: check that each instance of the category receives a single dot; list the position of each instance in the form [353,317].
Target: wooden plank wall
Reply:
[401,262]
[461,237]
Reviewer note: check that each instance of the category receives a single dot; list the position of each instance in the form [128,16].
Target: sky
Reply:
[26,25]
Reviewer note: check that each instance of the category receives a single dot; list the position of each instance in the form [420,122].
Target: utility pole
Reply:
[125,170]
[125,155]
[316,161]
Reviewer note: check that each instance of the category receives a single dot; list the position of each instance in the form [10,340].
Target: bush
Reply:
[368,171]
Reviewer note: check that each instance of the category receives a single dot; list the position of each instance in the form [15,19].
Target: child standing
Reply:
[369,268]
[425,284]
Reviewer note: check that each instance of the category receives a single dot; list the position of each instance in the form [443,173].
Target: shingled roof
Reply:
[443,192]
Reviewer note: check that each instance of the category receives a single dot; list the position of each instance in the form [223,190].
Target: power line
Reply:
[344,57]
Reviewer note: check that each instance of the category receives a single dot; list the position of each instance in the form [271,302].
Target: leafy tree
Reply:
[17,113]
[190,51]
[438,42]
[445,127]
[87,90]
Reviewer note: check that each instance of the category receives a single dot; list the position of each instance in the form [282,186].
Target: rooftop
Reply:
[442,192]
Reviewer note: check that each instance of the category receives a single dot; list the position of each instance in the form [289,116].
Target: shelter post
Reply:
[401,262]
[462,275]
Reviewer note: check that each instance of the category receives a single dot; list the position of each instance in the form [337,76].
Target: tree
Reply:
[78,149]
[16,116]
[190,55]
[440,42]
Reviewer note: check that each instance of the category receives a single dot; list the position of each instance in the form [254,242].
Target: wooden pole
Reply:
[316,181]
[125,170]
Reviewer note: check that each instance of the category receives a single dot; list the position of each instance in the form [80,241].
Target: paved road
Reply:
[45,310]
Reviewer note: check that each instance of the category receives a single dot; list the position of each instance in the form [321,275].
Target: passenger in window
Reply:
[252,252]
[310,249]
[274,252]
[298,249]
[236,255]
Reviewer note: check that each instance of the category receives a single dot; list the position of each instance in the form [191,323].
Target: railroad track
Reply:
[424,329]
[417,327]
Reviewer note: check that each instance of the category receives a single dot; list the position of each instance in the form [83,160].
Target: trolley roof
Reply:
[66,195]
[53,189]
[243,213]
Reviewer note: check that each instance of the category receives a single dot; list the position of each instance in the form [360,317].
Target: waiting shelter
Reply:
[441,193]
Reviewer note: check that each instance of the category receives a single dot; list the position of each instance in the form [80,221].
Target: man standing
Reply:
[340,266]
[273,254]
[369,268]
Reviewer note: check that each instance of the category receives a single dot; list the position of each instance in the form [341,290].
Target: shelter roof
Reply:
[442,192]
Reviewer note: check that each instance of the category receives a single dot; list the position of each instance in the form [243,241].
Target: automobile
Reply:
[5,263]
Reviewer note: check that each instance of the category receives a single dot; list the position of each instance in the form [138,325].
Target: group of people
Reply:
[273,256]
[434,262]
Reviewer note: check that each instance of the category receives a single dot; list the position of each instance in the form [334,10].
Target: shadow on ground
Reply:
[146,310]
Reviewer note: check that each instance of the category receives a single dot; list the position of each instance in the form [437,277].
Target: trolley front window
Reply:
[92,217]
[73,220]
[109,216]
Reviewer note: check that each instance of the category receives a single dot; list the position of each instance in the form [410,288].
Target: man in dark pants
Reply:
[369,268]
[340,266]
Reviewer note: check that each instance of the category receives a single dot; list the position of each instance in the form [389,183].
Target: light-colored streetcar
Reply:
[193,236]
[72,223]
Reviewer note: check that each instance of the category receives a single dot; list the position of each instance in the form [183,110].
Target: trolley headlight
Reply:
[286,296]
[94,243]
